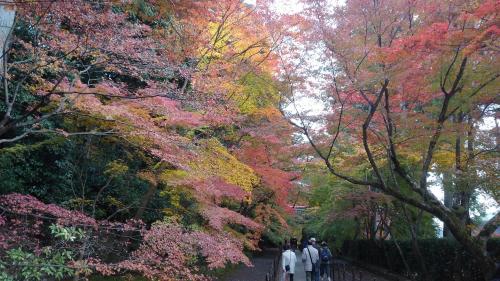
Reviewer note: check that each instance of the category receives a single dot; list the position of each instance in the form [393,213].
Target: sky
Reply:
[6,20]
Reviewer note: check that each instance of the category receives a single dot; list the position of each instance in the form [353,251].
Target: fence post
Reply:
[353,274]
[340,269]
[343,271]
[332,271]
[360,276]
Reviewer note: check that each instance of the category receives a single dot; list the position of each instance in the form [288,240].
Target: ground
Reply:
[263,264]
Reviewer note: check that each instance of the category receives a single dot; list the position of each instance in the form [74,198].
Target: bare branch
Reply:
[441,120]
[58,132]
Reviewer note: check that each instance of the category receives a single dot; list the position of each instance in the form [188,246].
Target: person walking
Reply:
[316,273]
[325,256]
[310,258]
[288,260]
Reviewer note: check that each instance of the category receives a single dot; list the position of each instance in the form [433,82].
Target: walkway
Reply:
[261,265]
[300,274]
[345,273]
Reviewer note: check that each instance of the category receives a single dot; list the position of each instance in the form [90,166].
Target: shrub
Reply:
[493,248]
[445,259]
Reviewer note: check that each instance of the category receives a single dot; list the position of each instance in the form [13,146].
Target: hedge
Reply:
[445,259]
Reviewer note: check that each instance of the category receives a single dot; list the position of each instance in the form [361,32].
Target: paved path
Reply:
[261,265]
[343,275]
[300,274]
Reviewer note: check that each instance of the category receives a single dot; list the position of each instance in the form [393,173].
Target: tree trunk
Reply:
[476,248]
[463,194]
[413,227]
[402,255]
[466,194]
[448,198]
[145,200]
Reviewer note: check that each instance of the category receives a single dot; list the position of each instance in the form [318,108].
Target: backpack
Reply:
[325,255]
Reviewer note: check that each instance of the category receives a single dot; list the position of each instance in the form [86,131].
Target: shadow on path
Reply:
[262,264]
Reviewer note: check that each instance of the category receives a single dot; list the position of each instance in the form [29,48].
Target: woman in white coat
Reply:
[288,260]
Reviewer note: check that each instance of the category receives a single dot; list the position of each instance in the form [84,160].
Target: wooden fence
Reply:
[343,271]
[273,273]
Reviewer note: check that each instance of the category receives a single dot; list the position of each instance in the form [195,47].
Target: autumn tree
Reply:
[403,81]
[180,95]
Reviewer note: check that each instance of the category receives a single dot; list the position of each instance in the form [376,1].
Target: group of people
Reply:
[316,260]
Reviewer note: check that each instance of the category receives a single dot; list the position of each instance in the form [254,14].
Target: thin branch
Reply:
[366,124]
[441,120]
[58,132]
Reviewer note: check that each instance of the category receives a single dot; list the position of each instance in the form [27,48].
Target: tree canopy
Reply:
[166,139]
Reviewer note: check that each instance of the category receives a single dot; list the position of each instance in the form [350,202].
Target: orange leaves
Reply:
[491,33]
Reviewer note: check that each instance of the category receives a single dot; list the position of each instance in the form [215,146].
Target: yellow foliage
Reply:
[115,168]
[216,161]
[444,158]
[257,92]
[174,199]
[112,201]
[171,176]
[79,202]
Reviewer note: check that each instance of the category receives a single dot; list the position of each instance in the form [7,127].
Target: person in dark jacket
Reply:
[326,258]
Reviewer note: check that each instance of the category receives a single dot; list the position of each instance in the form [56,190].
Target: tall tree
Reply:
[394,75]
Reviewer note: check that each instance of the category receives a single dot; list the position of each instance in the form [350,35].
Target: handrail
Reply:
[273,273]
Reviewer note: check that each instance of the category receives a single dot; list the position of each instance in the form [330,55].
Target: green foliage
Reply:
[39,168]
[48,264]
[331,216]
[115,168]
[51,168]
[274,232]
[493,248]
[66,233]
[324,199]
[140,10]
